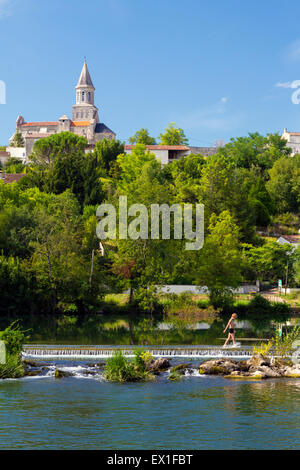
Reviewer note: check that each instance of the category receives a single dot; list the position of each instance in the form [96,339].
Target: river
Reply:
[86,412]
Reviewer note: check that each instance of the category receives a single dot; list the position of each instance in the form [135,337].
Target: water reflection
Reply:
[146,330]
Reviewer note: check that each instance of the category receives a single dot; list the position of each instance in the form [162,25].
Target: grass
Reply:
[120,369]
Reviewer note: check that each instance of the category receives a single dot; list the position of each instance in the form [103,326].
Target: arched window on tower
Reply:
[89,95]
[82,96]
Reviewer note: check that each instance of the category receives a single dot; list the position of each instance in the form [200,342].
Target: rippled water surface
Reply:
[86,412]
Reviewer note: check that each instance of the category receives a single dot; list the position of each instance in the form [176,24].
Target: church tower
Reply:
[85,109]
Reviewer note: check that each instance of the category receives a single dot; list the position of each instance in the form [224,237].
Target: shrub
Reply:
[119,369]
[142,359]
[263,349]
[13,337]
[283,344]
[260,303]
[13,368]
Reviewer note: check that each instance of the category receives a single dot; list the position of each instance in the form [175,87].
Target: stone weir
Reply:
[91,352]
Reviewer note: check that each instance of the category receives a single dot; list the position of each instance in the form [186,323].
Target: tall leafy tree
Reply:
[223,187]
[173,135]
[18,140]
[142,137]
[284,184]
[218,263]
[106,152]
[46,150]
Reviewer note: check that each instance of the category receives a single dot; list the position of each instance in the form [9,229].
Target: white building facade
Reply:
[293,140]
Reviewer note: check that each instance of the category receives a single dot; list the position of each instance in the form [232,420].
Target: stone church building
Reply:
[85,118]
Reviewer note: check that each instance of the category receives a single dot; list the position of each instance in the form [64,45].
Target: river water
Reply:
[86,412]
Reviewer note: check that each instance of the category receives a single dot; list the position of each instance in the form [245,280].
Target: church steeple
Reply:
[85,78]
[85,109]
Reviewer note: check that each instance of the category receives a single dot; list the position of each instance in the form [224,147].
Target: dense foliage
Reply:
[50,256]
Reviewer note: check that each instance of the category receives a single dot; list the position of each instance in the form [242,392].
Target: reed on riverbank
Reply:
[13,337]
[13,367]
[120,369]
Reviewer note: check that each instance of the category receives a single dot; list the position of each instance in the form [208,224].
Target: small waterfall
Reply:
[90,352]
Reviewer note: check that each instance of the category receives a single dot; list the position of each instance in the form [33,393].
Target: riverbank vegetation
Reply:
[51,262]
[118,368]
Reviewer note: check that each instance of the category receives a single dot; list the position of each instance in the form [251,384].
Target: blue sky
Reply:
[217,69]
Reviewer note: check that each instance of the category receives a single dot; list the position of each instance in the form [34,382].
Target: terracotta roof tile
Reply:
[80,123]
[39,124]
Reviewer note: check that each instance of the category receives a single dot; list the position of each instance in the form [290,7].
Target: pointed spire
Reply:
[85,78]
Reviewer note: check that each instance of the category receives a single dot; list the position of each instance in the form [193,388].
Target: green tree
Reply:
[142,137]
[184,175]
[60,163]
[267,262]
[223,187]
[173,135]
[59,260]
[141,263]
[284,184]
[106,152]
[46,150]
[17,140]
[260,200]
[255,150]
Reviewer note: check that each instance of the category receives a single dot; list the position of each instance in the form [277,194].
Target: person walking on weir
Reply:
[231,333]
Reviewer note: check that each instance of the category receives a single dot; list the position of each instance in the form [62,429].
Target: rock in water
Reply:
[257,367]
[218,367]
[180,369]
[161,364]
[60,374]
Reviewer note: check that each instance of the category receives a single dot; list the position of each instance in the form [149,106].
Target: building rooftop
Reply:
[39,124]
[11,177]
[160,147]
[80,123]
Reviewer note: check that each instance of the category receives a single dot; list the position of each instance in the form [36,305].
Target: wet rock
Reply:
[218,367]
[243,366]
[161,364]
[293,372]
[33,373]
[258,375]
[255,368]
[257,361]
[282,363]
[89,372]
[60,374]
[29,363]
[269,372]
